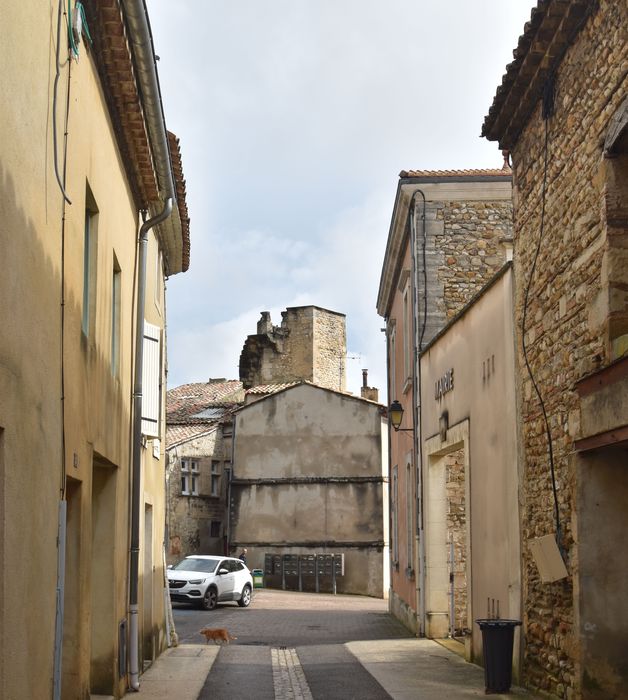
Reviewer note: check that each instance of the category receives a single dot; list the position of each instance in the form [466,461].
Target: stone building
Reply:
[199,437]
[310,344]
[450,233]
[562,112]
[84,160]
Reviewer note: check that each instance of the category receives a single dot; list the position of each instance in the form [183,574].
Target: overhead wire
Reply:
[547,112]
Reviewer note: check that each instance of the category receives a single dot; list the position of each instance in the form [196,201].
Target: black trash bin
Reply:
[497,643]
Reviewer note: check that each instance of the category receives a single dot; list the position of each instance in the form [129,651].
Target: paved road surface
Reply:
[292,645]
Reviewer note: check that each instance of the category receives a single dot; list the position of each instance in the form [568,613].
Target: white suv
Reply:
[208,580]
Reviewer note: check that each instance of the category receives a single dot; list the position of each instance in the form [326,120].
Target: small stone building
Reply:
[562,111]
[199,432]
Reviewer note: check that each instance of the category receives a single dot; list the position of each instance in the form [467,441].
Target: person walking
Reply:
[242,556]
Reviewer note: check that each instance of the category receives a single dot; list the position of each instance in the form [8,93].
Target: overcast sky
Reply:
[295,118]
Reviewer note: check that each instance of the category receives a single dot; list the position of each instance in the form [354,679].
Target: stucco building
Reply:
[84,155]
[469,457]
[309,478]
[562,111]
[309,459]
[450,233]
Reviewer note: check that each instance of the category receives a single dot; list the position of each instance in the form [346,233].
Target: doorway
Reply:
[447,538]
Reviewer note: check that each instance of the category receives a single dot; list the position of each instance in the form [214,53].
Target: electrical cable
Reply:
[54,106]
[547,111]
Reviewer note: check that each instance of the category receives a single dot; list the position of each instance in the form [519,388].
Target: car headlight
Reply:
[197,580]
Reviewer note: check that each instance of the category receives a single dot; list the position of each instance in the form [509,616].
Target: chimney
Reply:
[367,392]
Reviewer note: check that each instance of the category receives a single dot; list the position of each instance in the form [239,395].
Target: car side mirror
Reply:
[222,572]
[169,566]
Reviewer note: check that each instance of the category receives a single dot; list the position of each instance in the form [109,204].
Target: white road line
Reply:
[288,677]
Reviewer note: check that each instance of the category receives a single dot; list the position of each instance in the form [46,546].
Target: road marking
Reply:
[288,677]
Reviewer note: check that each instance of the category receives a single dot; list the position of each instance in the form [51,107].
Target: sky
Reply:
[295,118]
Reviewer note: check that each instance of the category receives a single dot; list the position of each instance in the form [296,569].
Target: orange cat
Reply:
[216,634]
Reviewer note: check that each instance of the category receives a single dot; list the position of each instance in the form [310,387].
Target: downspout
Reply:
[137,446]
[416,409]
[141,41]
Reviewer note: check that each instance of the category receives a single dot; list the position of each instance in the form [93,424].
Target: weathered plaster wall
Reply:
[96,398]
[567,329]
[479,347]
[308,477]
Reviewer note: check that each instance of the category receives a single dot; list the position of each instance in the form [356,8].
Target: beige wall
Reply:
[97,414]
[309,478]
[479,347]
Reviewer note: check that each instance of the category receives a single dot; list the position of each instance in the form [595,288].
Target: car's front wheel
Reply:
[210,599]
[245,598]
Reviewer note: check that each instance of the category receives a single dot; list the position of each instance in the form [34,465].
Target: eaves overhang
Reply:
[127,69]
[553,26]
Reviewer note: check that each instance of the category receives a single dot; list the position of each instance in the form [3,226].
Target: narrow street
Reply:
[300,645]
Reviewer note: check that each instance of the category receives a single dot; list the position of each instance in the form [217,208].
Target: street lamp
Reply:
[395,414]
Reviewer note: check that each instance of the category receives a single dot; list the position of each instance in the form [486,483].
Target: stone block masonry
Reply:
[567,327]
[310,344]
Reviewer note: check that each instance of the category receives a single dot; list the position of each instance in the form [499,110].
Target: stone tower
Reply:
[310,344]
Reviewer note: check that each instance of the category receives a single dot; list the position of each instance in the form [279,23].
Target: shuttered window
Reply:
[151,385]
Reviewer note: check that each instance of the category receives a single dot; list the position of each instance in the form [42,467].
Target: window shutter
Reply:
[151,373]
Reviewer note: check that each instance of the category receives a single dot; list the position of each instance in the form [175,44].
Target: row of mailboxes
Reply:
[305,565]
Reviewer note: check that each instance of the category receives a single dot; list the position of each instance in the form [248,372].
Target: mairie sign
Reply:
[444,384]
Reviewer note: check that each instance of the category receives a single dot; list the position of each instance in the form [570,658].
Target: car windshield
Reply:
[207,566]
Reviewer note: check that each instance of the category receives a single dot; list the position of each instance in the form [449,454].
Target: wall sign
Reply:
[444,384]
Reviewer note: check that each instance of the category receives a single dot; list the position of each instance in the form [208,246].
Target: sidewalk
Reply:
[179,672]
[406,668]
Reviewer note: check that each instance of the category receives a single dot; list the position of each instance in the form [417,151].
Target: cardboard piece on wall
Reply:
[547,558]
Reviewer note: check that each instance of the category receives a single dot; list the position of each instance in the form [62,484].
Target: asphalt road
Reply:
[315,626]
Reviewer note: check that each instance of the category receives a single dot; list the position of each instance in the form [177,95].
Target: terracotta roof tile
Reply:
[176,434]
[492,172]
[269,388]
[189,403]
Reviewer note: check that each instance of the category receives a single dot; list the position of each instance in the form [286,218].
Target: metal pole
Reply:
[452,607]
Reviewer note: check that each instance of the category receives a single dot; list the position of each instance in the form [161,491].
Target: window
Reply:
[215,528]
[116,288]
[189,477]
[215,478]
[394,510]
[89,264]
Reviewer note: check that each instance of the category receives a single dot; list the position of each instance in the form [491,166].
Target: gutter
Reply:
[419,549]
[140,38]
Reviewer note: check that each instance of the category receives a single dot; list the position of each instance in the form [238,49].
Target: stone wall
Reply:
[567,319]
[310,344]
[457,531]
[466,245]
[190,517]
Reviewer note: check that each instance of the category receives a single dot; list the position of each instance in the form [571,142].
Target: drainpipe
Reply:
[137,446]
[416,409]
[141,41]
